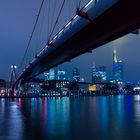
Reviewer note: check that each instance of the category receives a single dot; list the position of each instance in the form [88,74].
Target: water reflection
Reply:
[57,117]
[137,114]
[104,117]
[11,123]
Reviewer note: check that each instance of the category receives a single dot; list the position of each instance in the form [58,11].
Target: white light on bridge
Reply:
[61,31]
[13,66]
[40,53]
[43,50]
[68,24]
[63,28]
[46,46]
[50,42]
[55,37]
[89,3]
[75,17]
[27,66]
[33,60]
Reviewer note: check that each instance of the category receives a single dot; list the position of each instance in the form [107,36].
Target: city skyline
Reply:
[124,52]
[86,71]
[76,62]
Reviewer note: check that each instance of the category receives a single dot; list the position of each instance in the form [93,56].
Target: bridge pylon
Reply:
[13,75]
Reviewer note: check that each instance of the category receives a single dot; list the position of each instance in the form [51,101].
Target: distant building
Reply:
[55,85]
[55,74]
[94,73]
[46,76]
[79,87]
[76,75]
[61,75]
[117,68]
[2,86]
[102,73]
[99,74]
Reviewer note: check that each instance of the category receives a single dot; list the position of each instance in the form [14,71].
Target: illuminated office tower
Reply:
[61,74]
[76,75]
[46,76]
[117,68]
[99,74]
[102,73]
[53,74]
[94,73]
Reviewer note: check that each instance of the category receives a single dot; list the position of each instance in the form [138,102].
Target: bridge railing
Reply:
[93,8]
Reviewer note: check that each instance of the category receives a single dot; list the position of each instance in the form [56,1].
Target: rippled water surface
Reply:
[75,118]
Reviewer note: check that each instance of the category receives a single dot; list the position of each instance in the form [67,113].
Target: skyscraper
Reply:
[76,75]
[94,73]
[99,74]
[55,74]
[117,68]
[61,74]
[46,76]
[102,73]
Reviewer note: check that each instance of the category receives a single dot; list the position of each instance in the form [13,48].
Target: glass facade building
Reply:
[76,75]
[117,68]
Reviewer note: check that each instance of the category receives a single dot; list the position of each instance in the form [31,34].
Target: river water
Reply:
[71,118]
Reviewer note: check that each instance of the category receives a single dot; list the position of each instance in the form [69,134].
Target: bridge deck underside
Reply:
[120,19]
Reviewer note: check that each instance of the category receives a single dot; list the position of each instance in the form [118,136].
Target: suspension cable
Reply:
[48,17]
[42,22]
[78,3]
[53,15]
[57,18]
[32,33]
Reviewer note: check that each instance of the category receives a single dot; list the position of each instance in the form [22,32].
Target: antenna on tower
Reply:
[115,55]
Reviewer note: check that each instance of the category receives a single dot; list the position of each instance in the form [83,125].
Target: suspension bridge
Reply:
[73,28]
